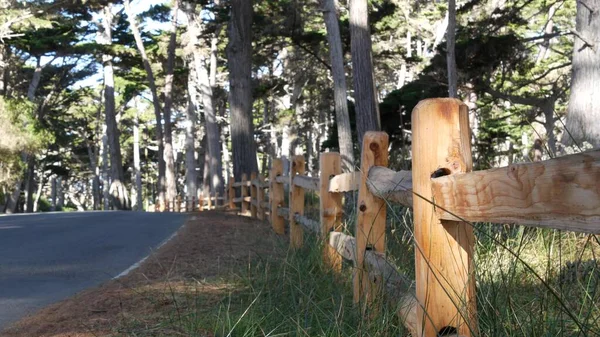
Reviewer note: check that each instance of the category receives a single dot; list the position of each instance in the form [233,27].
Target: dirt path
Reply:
[210,245]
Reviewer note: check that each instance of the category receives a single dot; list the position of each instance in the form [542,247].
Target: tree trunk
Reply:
[367,111]
[60,198]
[451,50]
[171,187]
[105,174]
[191,176]
[53,193]
[239,53]
[340,91]
[583,114]
[38,193]
[136,162]
[206,83]
[118,192]
[155,100]
[30,183]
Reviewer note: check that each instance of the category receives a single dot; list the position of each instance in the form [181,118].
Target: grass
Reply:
[530,282]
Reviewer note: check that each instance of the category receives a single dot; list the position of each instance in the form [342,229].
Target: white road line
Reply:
[137,264]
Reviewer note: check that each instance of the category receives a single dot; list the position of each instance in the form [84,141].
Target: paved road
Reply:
[47,257]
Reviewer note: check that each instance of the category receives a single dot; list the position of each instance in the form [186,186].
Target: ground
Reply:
[179,275]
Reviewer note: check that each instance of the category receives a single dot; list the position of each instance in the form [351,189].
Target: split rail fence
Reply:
[446,197]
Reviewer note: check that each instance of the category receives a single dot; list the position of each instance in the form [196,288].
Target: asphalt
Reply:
[47,257]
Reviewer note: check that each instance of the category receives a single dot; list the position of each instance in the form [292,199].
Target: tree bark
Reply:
[136,163]
[583,114]
[171,187]
[340,91]
[206,83]
[53,193]
[367,111]
[191,176]
[118,191]
[239,53]
[451,50]
[105,174]
[161,181]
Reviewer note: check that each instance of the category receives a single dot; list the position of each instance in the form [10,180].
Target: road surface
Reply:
[48,257]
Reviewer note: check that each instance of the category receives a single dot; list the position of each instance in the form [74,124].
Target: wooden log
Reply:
[307,183]
[253,193]
[276,196]
[265,205]
[283,179]
[330,206]
[260,196]
[296,202]
[201,202]
[370,224]
[399,289]
[345,182]
[561,193]
[391,185]
[445,276]
[310,224]
[283,212]
[231,192]
[244,188]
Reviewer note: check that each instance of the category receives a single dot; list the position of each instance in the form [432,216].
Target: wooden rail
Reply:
[562,193]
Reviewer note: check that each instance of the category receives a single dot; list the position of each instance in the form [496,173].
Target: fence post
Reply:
[253,191]
[260,197]
[445,278]
[330,206]
[231,193]
[276,196]
[370,224]
[296,202]
[201,202]
[244,194]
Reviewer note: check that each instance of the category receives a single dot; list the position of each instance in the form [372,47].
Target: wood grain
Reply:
[307,183]
[330,206]
[276,196]
[390,185]
[345,182]
[370,224]
[445,281]
[561,193]
[296,202]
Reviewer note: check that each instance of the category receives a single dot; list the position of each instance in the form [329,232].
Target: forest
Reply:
[115,105]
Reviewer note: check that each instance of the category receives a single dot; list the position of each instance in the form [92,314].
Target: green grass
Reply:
[530,282]
[295,296]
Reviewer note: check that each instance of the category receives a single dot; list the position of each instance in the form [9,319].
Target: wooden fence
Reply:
[186,204]
[446,196]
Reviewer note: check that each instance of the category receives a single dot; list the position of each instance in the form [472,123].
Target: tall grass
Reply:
[530,282]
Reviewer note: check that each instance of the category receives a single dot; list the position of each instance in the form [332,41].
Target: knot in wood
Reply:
[362,207]
[374,147]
